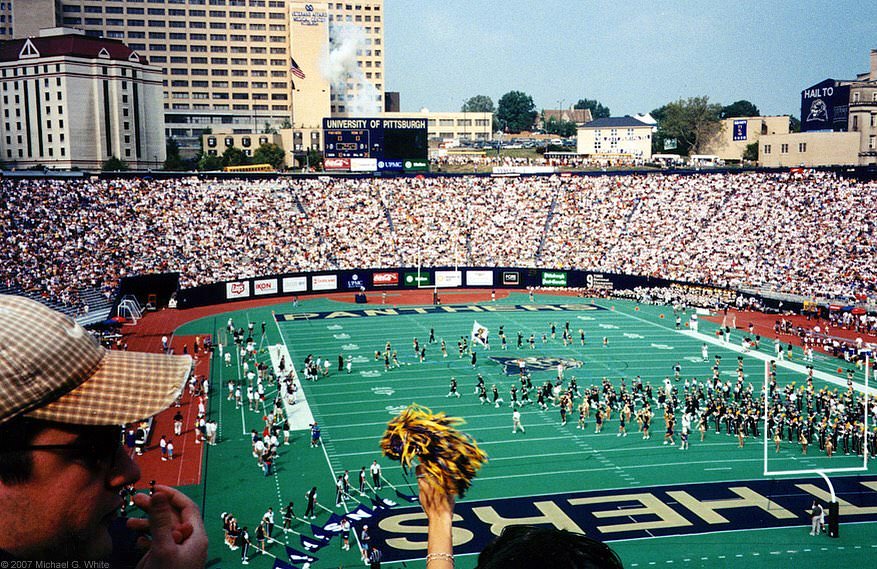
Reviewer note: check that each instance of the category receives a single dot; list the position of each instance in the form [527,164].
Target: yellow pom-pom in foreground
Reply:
[449,458]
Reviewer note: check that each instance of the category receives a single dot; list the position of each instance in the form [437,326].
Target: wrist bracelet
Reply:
[436,556]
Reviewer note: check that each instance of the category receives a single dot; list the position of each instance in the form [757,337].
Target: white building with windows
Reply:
[615,138]
[75,101]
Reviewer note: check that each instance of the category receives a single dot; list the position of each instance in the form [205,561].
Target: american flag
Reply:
[296,70]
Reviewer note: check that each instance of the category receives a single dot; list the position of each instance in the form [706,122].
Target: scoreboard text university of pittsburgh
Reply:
[382,144]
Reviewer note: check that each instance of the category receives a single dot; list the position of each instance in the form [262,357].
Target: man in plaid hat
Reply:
[63,401]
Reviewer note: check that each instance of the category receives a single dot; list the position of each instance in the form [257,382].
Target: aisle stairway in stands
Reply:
[538,255]
[98,306]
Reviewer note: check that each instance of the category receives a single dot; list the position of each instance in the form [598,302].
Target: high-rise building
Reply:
[238,64]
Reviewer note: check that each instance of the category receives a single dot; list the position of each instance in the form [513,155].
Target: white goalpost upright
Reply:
[823,472]
[456,281]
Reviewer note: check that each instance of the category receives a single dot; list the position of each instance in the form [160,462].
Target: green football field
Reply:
[709,506]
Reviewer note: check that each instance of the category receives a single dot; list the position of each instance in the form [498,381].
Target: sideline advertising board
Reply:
[448,278]
[479,278]
[385,278]
[413,279]
[264,286]
[324,282]
[553,278]
[239,289]
[295,284]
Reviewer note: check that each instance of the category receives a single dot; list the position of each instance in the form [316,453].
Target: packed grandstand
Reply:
[808,234]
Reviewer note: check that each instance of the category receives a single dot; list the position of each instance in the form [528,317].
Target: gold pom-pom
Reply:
[449,458]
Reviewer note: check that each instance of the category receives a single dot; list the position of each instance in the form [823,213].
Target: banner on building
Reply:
[740,127]
[825,106]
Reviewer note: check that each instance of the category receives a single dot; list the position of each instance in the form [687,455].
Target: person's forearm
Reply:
[440,545]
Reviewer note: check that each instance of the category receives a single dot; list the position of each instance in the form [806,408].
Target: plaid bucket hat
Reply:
[53,370]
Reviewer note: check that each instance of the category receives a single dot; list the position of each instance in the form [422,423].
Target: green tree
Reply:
[285,124]
[114,165]
[269,153]
[740,109]
[692,122]
[208,162]
[516,111]
[234,157]
[751,152]
[794,124]
[173,160]
[598,111]
[268,129]
[478,104]
[560,127]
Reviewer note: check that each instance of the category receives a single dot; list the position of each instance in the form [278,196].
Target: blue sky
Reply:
[631,56]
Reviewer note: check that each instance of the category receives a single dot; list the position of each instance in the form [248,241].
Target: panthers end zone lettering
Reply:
[434,310]
[612,515]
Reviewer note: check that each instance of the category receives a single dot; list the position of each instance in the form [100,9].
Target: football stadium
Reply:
[676,364]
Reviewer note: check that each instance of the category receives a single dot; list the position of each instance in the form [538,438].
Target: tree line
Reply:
[684,126]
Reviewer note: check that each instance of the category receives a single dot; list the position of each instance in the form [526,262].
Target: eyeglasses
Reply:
[95,448]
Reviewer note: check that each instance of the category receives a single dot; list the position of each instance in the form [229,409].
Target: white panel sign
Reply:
[479,278]
[237,289]
[448,278]
[264,286]
[295,284]
[363,164]
[324,282]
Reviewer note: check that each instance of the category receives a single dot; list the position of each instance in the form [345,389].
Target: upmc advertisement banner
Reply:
[825,106]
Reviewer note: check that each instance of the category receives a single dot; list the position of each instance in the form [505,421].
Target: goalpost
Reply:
[450,279]
[822,472]
[130,308]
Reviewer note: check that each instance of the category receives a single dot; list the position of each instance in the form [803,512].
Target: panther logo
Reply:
[511,366]
[818,111]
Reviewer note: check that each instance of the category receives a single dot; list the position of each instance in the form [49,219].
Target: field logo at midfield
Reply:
[511,366]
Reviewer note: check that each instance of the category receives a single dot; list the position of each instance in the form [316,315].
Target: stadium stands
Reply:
[812,235]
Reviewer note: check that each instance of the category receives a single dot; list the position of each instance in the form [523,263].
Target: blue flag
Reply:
[281,564]
[383,503]
[312,544]
[296,556]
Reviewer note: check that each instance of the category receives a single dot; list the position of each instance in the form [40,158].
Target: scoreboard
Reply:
[388,140]
[342,143]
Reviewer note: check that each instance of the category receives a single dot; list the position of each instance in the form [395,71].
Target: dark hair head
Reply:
[525,547]
[16,466]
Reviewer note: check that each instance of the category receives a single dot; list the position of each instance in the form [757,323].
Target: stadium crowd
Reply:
[810,235]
